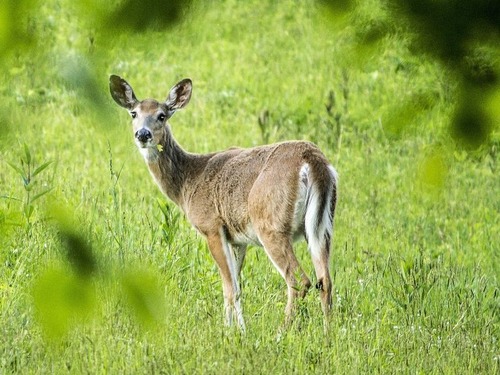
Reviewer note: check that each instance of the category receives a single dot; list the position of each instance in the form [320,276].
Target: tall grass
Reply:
[415,254]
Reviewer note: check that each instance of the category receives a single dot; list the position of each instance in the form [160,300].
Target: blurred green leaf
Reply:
[133,15]
[476,116]
[79,76]
[433,171]
[62,300]
[144,295]
[402,114]
[445,27]
[338,6]
[14,32]
[78,249]
[79,252]
[463,36]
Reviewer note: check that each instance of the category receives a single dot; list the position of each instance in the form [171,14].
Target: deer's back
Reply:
[239,185]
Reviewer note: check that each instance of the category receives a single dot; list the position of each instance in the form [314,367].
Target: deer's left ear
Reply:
[179,95]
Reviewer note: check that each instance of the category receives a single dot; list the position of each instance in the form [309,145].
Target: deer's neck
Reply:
[173,168]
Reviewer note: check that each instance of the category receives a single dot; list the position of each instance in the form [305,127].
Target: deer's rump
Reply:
[264,188]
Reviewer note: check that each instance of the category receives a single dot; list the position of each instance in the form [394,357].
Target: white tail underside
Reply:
[318,225]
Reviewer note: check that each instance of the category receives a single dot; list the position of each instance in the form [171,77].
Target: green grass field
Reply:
[99,273]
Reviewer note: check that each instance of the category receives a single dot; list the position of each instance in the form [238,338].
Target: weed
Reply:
[170,221]
[29,172]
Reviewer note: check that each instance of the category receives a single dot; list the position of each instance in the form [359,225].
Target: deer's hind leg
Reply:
[278,247]
[324,281]
[271,210]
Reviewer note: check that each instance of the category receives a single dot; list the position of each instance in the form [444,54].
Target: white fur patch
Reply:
[246,237]
[301,202]
[150,153]
[233,308]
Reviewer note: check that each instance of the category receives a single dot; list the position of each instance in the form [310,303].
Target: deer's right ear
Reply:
[122,92]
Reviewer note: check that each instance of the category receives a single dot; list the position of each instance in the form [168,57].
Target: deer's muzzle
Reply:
[143,135]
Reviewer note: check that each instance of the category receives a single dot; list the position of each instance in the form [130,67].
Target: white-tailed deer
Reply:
[268,196]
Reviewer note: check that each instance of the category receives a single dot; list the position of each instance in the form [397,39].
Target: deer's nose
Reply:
[143,135]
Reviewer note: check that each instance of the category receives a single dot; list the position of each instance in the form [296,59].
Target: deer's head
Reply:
[149,116]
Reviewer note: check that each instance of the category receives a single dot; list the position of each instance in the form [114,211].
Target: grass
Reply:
[106,276]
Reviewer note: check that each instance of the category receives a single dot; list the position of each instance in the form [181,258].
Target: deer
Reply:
[268,196]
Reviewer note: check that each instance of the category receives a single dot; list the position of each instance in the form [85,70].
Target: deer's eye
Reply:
[161,117]
[133,114]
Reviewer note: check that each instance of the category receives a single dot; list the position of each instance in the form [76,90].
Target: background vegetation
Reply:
[100,274]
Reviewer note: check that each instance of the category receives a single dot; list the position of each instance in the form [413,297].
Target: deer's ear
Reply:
[122,92]
[179,95]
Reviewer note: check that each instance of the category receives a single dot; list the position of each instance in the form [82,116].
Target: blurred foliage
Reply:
[402,113]
[433,172]
[144,295]
[463,36]
[142,15]
[78,75]
[75,64]
[78,249]
[15,27]
[449,28]
[68,297]
[62,300]
[339,7]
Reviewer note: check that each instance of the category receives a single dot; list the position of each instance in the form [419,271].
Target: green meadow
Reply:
[100,273]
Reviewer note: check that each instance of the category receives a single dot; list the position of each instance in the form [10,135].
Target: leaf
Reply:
[433,171]
[18,170]
[10,198]
[39,195]
[27,153]
[28,211]
[135,16]
[41,168]
[62,300]
[78,248]
[144,295]
[28,185]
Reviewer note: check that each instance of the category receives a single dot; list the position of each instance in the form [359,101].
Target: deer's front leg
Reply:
[224,257]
